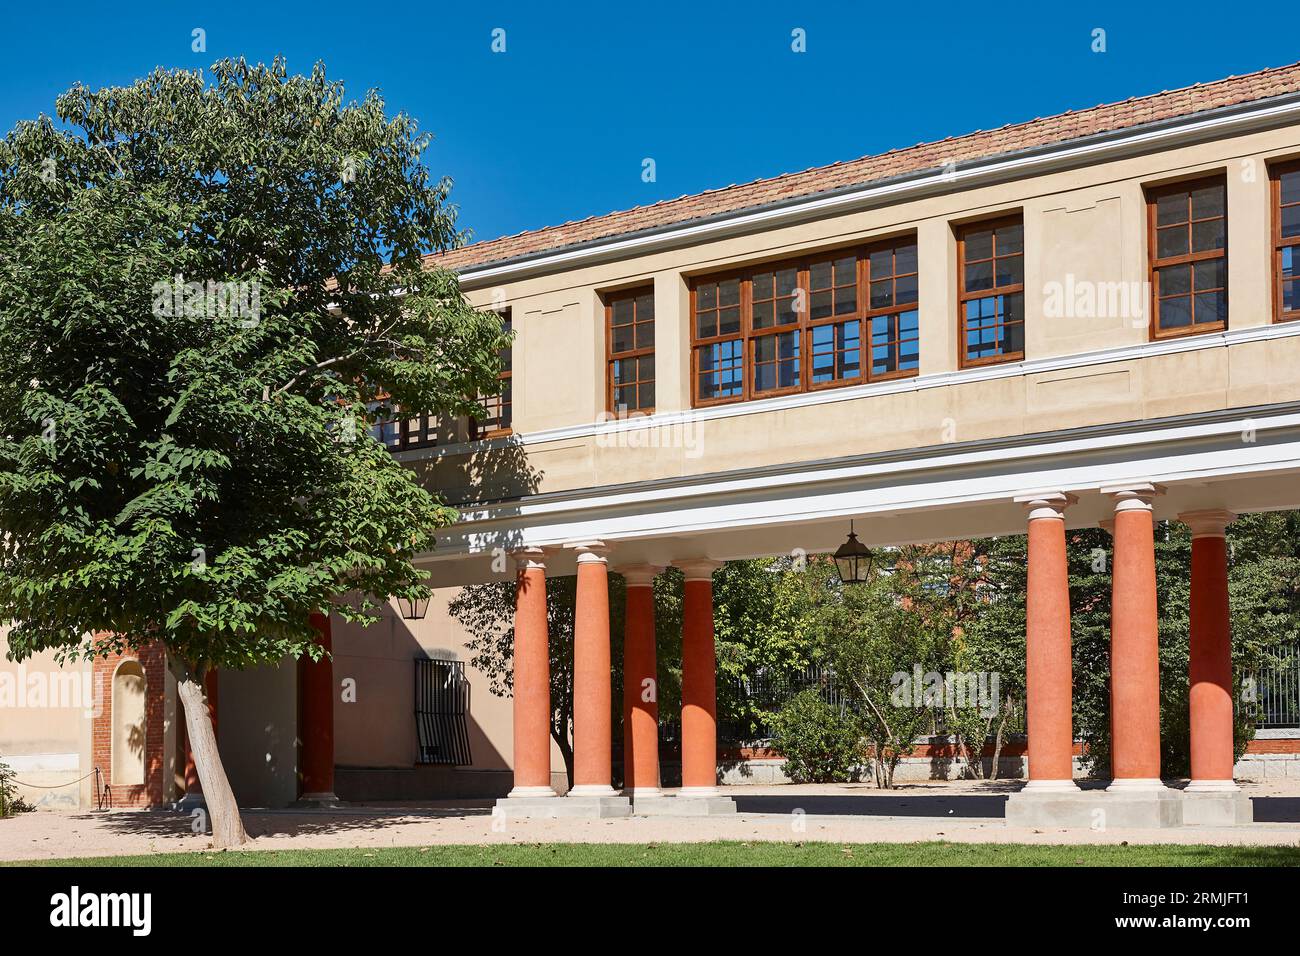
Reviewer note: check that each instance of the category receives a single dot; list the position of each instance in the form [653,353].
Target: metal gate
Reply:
[441,709]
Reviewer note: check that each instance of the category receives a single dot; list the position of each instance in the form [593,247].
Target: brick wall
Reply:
[149,794]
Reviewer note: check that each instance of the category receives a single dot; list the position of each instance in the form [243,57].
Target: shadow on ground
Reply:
[170,824]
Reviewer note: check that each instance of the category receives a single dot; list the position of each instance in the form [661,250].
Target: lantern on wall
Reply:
[413,609]
[853,560]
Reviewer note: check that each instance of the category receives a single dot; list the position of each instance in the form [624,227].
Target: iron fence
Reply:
[1277,690]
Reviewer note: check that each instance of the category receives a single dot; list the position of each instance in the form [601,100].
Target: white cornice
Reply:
[1098,357]
[1092,149]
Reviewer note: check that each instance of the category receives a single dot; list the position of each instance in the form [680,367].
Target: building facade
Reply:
[1089,319]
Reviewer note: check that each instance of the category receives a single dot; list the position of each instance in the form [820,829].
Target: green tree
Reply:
[204,286]
[821,743]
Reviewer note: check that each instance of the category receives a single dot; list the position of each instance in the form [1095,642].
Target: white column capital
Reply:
[698,569]
[1210,523]
[529,558]
[589,551]
[1046,504]
[639,575]
[1133,495]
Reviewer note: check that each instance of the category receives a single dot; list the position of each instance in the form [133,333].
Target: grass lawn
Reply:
[726,854]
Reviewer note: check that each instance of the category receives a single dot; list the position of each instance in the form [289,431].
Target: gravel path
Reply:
[964,812]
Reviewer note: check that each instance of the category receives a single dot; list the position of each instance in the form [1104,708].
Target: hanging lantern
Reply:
[853,560]
[413,610]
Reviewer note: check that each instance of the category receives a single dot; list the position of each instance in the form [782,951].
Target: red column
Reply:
[592,696]
[193,785]
[316,718]
[1048,671]
[532,678]
[699,682]
[640,685]
[1210,663]
[1134,642]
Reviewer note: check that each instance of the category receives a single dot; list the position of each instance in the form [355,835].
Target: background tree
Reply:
[196,319]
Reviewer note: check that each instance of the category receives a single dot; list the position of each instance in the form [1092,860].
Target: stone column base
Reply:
[552,807]
[1126,809]
[318,801]
[684,806]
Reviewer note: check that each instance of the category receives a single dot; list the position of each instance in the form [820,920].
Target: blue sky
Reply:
[557,126]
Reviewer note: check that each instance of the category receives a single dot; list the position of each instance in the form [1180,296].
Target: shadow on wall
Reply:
[257,726]
[376,744]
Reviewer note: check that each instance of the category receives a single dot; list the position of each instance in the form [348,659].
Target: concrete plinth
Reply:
[1129,807]
[318,801]
[525,807]
[1223,809]
[1096,809]
[679,806]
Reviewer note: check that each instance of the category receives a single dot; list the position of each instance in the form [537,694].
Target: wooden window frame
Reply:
[1155,262]
[748,336]
[1017,218]
[476,431]
[637,353]
[1276,172]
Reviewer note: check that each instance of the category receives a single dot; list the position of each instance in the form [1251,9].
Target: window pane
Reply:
[882,263]
[706,296]
[909,353]
[1175,280]
[1011,239]
[1171,242]
[622,312]
[1290,187]
[645,335]
[720,369]
[1171,208]
[729,292]
[729,321]
[882,294]
[1211,275]
[819,275]
[979,245]
[822,304]
[706,325]
[646,395]
[1209,235]
[1290,222]
[763,314]
[1290,261]
[1211,307]
[1176,313]
[1291,295]
[1208,201]
[621,338]
[905,289]
[645,307]
[905,258]
[1010,271]
[846,300]
[979,276]
[846,271]
[763,286]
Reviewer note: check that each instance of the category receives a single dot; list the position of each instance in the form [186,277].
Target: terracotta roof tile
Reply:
[1073,124]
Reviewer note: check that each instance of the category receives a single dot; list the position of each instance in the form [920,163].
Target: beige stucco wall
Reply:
[377,729]
[1087,223]
[45,729]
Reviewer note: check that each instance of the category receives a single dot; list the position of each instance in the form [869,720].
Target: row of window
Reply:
[850,316]
[426,431]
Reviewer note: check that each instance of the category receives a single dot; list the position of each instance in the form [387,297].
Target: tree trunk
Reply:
[223,811]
